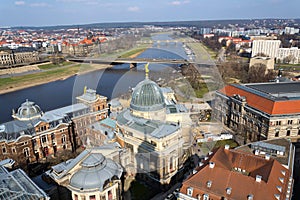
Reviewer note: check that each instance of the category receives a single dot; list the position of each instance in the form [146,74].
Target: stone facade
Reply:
[12,57]
[242,110]
[35,136]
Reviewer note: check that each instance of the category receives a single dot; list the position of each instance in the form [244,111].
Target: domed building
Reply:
[91,175]
[147,101]
[152,129]
[28,111]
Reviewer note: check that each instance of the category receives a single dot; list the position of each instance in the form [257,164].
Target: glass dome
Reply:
[147,96]
[27,111]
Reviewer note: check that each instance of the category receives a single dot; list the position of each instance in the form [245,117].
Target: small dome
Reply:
[28,110]
[95,171]
[147,96]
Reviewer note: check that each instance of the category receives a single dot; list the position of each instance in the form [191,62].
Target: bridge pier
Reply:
[133,65]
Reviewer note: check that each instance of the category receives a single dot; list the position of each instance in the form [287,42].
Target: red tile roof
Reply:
[264,104]
[224,175]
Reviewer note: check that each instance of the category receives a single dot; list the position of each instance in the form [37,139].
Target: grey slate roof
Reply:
[94,169]
[275,91]
[10,131]
[154,128]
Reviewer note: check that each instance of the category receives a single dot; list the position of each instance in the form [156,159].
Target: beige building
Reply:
[95,174]
[21,55]
[33,135]
[260,111]
[267,48]
[156,133]
[266,61]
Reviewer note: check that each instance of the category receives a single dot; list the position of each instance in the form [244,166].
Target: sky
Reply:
[68,12]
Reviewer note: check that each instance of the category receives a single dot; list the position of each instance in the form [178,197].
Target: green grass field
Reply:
[46,76]
[51,65]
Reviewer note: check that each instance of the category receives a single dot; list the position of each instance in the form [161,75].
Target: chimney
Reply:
[226,147]
[258,178]
[211,165]
[200,164]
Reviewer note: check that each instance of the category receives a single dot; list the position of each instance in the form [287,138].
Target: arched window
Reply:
[63,139]
[26,152]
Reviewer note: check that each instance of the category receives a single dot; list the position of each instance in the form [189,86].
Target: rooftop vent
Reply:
[228,190]
[281,179]
[258,178]
[208,184]
[211,165]
[267,157]
[277,196]
[226,146]
[283,172]
[250,197]
[256,152]
[279,188]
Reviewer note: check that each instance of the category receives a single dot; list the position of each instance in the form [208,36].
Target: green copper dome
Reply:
[147,96]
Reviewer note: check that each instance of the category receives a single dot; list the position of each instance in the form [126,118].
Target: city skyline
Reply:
[68,12]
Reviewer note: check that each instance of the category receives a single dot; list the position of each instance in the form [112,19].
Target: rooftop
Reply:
[153,128]
[271,98]
[17,185]
[245,174]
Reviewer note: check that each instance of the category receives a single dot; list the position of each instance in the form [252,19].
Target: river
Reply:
[109,82]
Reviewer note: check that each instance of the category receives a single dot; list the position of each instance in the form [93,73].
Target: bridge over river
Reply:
[132,61]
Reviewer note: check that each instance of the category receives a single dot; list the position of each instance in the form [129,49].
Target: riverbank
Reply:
[12,84]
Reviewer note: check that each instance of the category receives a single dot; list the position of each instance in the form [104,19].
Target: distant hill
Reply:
[201,23]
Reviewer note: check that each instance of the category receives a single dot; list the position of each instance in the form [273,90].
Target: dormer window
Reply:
[228,190]
[205,197]
[190,191]
[208,184]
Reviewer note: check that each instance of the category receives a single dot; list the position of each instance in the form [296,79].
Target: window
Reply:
[44,139]
[288,132]
[3,149]
[290,122]
[14,150]
[63,139]
[299,131]
[52,136]
[92,197]
[190,191]
[278,123]
[75,197]
[205,197]
[26,152]
[208,184]
[277,133]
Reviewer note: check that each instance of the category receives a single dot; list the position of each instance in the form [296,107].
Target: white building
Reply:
[267,47]
[288,55]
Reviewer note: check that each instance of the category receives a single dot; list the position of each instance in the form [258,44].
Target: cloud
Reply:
[39,4]
[19,3]
[133,9]
[178,3]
